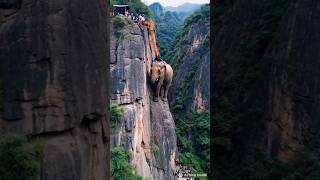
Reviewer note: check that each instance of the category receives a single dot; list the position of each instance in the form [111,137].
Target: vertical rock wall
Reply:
[191,61]
[267,67]
[147,128]
[54,82]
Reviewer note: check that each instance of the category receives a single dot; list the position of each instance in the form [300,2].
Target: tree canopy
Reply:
[135,6]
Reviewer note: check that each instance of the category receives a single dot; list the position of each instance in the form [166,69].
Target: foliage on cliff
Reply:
[19,158]
[203,14]
[229,113]
[168,25]
[121,168]
[194,140]
[192,127]
[239,107]
[120,165]
[135,6]
[116,112]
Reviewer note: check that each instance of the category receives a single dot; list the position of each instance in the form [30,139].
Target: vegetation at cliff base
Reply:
[19,158]
[121,168]
[304,165]
[193,137]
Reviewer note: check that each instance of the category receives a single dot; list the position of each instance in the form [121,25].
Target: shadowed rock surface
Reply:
[266,72]
[54,82]
[146,128]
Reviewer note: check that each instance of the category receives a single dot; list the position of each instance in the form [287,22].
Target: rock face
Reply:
[266,68]
[191,61]
[147,128]
[54,82]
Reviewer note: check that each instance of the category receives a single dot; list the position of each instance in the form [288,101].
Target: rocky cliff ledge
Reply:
[54,82]
[146,128]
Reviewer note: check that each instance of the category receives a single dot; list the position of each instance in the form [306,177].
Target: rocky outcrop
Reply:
[265,74]
[146,128]
[191,61]
[54,82]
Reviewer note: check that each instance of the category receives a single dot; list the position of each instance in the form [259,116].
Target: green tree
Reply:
[19,159]
[121,168]
[135,6]
[116,112]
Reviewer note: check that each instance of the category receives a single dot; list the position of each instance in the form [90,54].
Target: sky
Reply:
[175,3]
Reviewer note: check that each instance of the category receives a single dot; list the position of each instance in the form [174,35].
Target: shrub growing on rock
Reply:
[19,159]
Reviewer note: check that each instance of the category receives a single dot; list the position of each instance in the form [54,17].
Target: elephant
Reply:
[161,75]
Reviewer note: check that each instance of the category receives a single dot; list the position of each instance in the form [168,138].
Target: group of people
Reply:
[135,17]
[182,169]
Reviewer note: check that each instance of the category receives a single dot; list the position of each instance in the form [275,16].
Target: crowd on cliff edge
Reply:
[133,16]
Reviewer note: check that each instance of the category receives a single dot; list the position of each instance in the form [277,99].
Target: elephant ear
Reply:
[162,69]
[164,66]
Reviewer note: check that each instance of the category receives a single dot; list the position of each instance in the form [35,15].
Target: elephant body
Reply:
[161,75]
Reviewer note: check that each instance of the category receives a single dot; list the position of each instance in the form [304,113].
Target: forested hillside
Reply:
[184,10]
[167,26]
[190,91]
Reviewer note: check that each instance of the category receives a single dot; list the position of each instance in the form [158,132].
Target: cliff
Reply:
[266,88]
[190,90]
[191,60]
[147,128]
[54,83]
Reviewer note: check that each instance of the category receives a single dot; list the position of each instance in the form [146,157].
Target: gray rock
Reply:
[54,82]
[147,128]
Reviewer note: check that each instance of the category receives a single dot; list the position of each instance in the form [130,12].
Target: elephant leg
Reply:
[165,94]
[156,98]
[161,91]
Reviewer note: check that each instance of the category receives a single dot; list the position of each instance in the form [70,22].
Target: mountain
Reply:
[167,26]
[184,10]
[157,9]
[190,90]
[145,129]
[186,7]
[266,91]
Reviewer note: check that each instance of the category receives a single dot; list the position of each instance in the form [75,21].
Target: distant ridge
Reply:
[186,7]
[157,9]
